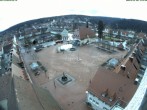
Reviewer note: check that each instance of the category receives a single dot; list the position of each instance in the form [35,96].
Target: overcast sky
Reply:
[13,12]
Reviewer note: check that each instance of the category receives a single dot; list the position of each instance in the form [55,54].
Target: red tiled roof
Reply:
[131,68]
[141,47]
[120,46]
[121,87]
[117,83]
[141,34]
[124,32]
[84,32]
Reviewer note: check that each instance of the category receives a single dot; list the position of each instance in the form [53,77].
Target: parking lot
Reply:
[81,64]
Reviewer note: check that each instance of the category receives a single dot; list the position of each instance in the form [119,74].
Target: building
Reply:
[7,48]
[131,34]
[18,92]
[64,35]
[7,94]
[108,89]
[114,89]
[83,34]
[141,35]
[1,50]
[115,32]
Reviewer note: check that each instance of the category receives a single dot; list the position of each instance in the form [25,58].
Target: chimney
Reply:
[133,53]
[105,93]
[128,75]
[131,59]
[113,97]
[136,81]
[123,67]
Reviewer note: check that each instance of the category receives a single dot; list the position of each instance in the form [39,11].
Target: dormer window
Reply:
[136,81]
[131,59]
[105,93]
[123,67]
[110,99]
[128,75]
[133,53]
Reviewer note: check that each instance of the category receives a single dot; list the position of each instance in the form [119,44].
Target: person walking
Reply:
[54,84]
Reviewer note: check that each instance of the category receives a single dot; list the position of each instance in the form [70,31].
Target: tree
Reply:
[74,25]
[118,35]
[111,35]
[26,41]
[100,29]
[58,36]
[87,25]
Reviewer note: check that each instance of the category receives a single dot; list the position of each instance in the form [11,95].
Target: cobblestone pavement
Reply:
[81,64]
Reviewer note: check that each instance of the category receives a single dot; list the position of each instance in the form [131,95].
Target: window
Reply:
[138,60]
[104,94]
[97,103]
[104,108]
[135,66]
[110,99]
[90,98]
[128,76]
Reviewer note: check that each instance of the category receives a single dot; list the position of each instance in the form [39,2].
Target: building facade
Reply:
[64,35]
[114,89]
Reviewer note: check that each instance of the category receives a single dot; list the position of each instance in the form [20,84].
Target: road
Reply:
[2,70]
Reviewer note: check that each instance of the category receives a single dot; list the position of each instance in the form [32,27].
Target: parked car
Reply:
[72,49]
[38,48]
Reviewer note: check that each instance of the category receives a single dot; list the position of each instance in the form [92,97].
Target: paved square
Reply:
[81,64]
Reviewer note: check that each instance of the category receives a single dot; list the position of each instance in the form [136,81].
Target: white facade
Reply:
[136,101]
[48,29]
[130,35]
[1,51]
[96,104]
[123,34]
[70,38]
[106,30]
[117,108]
[64,35]
[115,32]
[76,34]
[21,37]
[134,104]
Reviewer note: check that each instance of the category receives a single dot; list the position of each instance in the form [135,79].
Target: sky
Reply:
[14,12]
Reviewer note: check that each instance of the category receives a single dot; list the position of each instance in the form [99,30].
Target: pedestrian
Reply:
[90,81]
[54,85]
